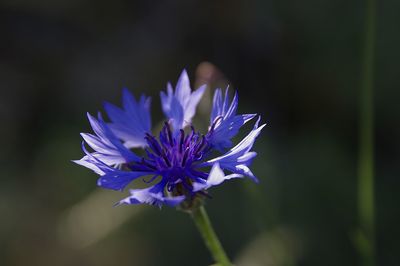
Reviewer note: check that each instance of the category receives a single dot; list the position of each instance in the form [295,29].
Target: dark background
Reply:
[297,63]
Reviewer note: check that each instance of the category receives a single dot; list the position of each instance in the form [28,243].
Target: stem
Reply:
[366,149]
[203,224]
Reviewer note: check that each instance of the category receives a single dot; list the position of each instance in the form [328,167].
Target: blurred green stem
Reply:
[366,148]
[203,223]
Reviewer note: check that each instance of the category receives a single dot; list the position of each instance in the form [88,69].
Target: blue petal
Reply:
[153,195]
[110,178]
[216,107]
[180,107]
[224,123]
[108,148]
[85,161]
[183,90]
[117,179]
[215,178]
[220,137]
[166,98]
[131,123]
[239,158]
[194,99]
[176,114]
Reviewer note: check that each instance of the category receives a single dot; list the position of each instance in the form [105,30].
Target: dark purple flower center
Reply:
[175,157]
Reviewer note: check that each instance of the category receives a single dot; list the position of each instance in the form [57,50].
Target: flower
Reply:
[180,164]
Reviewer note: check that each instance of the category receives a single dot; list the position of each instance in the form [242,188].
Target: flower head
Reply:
[180,163]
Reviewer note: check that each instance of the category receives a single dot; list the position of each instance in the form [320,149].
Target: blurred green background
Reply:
[297,63]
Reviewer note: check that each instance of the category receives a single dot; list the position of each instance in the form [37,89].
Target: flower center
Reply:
[174,156]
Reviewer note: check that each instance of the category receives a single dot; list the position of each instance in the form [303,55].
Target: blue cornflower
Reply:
[180,164]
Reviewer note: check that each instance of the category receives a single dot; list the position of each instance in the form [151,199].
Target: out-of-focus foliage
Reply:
[297,63]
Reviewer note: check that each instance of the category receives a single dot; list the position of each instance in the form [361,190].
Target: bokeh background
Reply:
[297,63]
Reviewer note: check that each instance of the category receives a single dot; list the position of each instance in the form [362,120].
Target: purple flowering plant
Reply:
[179,164]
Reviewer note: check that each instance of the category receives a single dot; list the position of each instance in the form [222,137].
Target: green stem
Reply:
[366,150]
[203,224]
